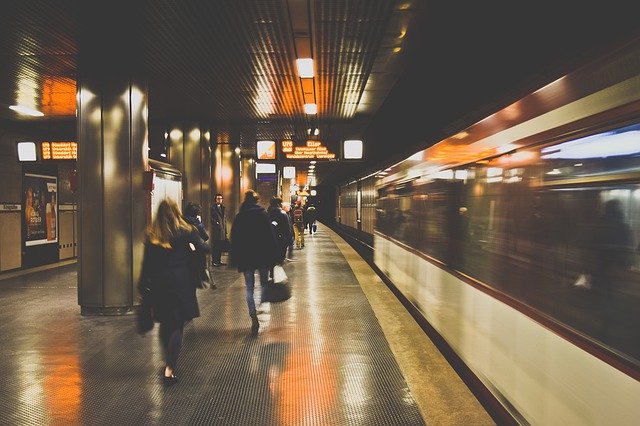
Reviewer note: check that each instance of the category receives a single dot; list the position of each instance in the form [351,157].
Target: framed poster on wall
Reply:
[39,205]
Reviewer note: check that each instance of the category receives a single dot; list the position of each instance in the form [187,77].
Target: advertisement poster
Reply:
[39,204]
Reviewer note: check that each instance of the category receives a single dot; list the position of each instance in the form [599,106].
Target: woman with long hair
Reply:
[168,281]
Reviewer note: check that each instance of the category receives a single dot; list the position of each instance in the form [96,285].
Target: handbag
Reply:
[278,290]
[144,314]
[145,319]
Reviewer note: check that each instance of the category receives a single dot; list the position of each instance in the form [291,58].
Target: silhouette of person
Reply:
[611,255]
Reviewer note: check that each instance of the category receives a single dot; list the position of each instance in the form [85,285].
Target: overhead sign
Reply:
[59,150]
[287,146]
[266,150]
[313,150]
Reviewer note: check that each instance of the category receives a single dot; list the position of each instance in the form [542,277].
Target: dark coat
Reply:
[253,240]
[193,220]
[218,223]
[170,278]
[310,214]
[283,229]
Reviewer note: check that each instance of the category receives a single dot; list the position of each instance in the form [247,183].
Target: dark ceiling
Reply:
[400,75]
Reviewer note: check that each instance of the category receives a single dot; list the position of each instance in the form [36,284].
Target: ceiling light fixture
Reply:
[305,67]
[20,109]
[310,109]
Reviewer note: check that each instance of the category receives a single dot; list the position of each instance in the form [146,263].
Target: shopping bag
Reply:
[314,228]
[279,275]
[278,290]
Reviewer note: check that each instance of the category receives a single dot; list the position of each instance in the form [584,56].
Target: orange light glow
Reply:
[62,382]
[297,389]
[59,96]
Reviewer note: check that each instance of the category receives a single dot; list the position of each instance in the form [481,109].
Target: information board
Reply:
[59,150]
[313,150]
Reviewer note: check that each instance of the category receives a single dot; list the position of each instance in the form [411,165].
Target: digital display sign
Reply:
[59,150]
[313,150]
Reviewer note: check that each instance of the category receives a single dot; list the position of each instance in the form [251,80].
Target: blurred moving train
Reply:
[517,240]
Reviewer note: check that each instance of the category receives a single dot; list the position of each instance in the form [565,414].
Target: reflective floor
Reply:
[321,358]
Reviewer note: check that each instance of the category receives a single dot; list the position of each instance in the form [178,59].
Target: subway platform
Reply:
[341,351]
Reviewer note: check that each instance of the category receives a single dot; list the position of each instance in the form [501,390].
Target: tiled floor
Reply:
[320,358]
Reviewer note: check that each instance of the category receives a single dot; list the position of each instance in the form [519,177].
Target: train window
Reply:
[556,228]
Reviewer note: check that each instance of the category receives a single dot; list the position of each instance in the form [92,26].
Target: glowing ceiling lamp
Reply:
[310,109]
[21,109]
[305,67]
[352,149]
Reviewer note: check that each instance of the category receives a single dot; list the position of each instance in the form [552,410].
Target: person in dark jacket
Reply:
[167,281]
[310,218]
[282,226]
[219,239]
[192,216]
[253,247]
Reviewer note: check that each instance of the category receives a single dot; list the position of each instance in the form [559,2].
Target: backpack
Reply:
[297,215]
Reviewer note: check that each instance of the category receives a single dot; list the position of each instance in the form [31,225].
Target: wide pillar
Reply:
[112,155]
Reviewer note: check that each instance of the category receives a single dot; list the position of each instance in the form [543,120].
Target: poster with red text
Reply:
[39,205]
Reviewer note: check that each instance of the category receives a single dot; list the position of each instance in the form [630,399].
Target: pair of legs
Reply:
[250,281]
[216,252]
[298,231]
[171,332]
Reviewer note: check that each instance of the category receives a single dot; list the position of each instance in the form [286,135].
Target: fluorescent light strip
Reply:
[20,109]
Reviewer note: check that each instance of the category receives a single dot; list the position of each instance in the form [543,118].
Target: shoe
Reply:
[222,264]
[216,264]
[255,324]
[169,381]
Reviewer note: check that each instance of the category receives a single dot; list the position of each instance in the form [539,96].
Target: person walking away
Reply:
[298,225]
[218,231]
[280,221]
[253,247]
[168,281]
[192,216]
[310,217]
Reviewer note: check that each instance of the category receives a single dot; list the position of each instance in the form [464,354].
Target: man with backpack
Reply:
[298,224]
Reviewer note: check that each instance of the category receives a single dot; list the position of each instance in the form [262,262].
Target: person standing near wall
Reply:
[219,239]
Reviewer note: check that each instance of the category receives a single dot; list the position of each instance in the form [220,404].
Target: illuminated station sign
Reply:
[59,150]
[313,150]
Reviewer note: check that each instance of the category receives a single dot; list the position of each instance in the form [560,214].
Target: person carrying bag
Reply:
[168,281]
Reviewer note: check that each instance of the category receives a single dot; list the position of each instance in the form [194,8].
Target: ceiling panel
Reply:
[230,64]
